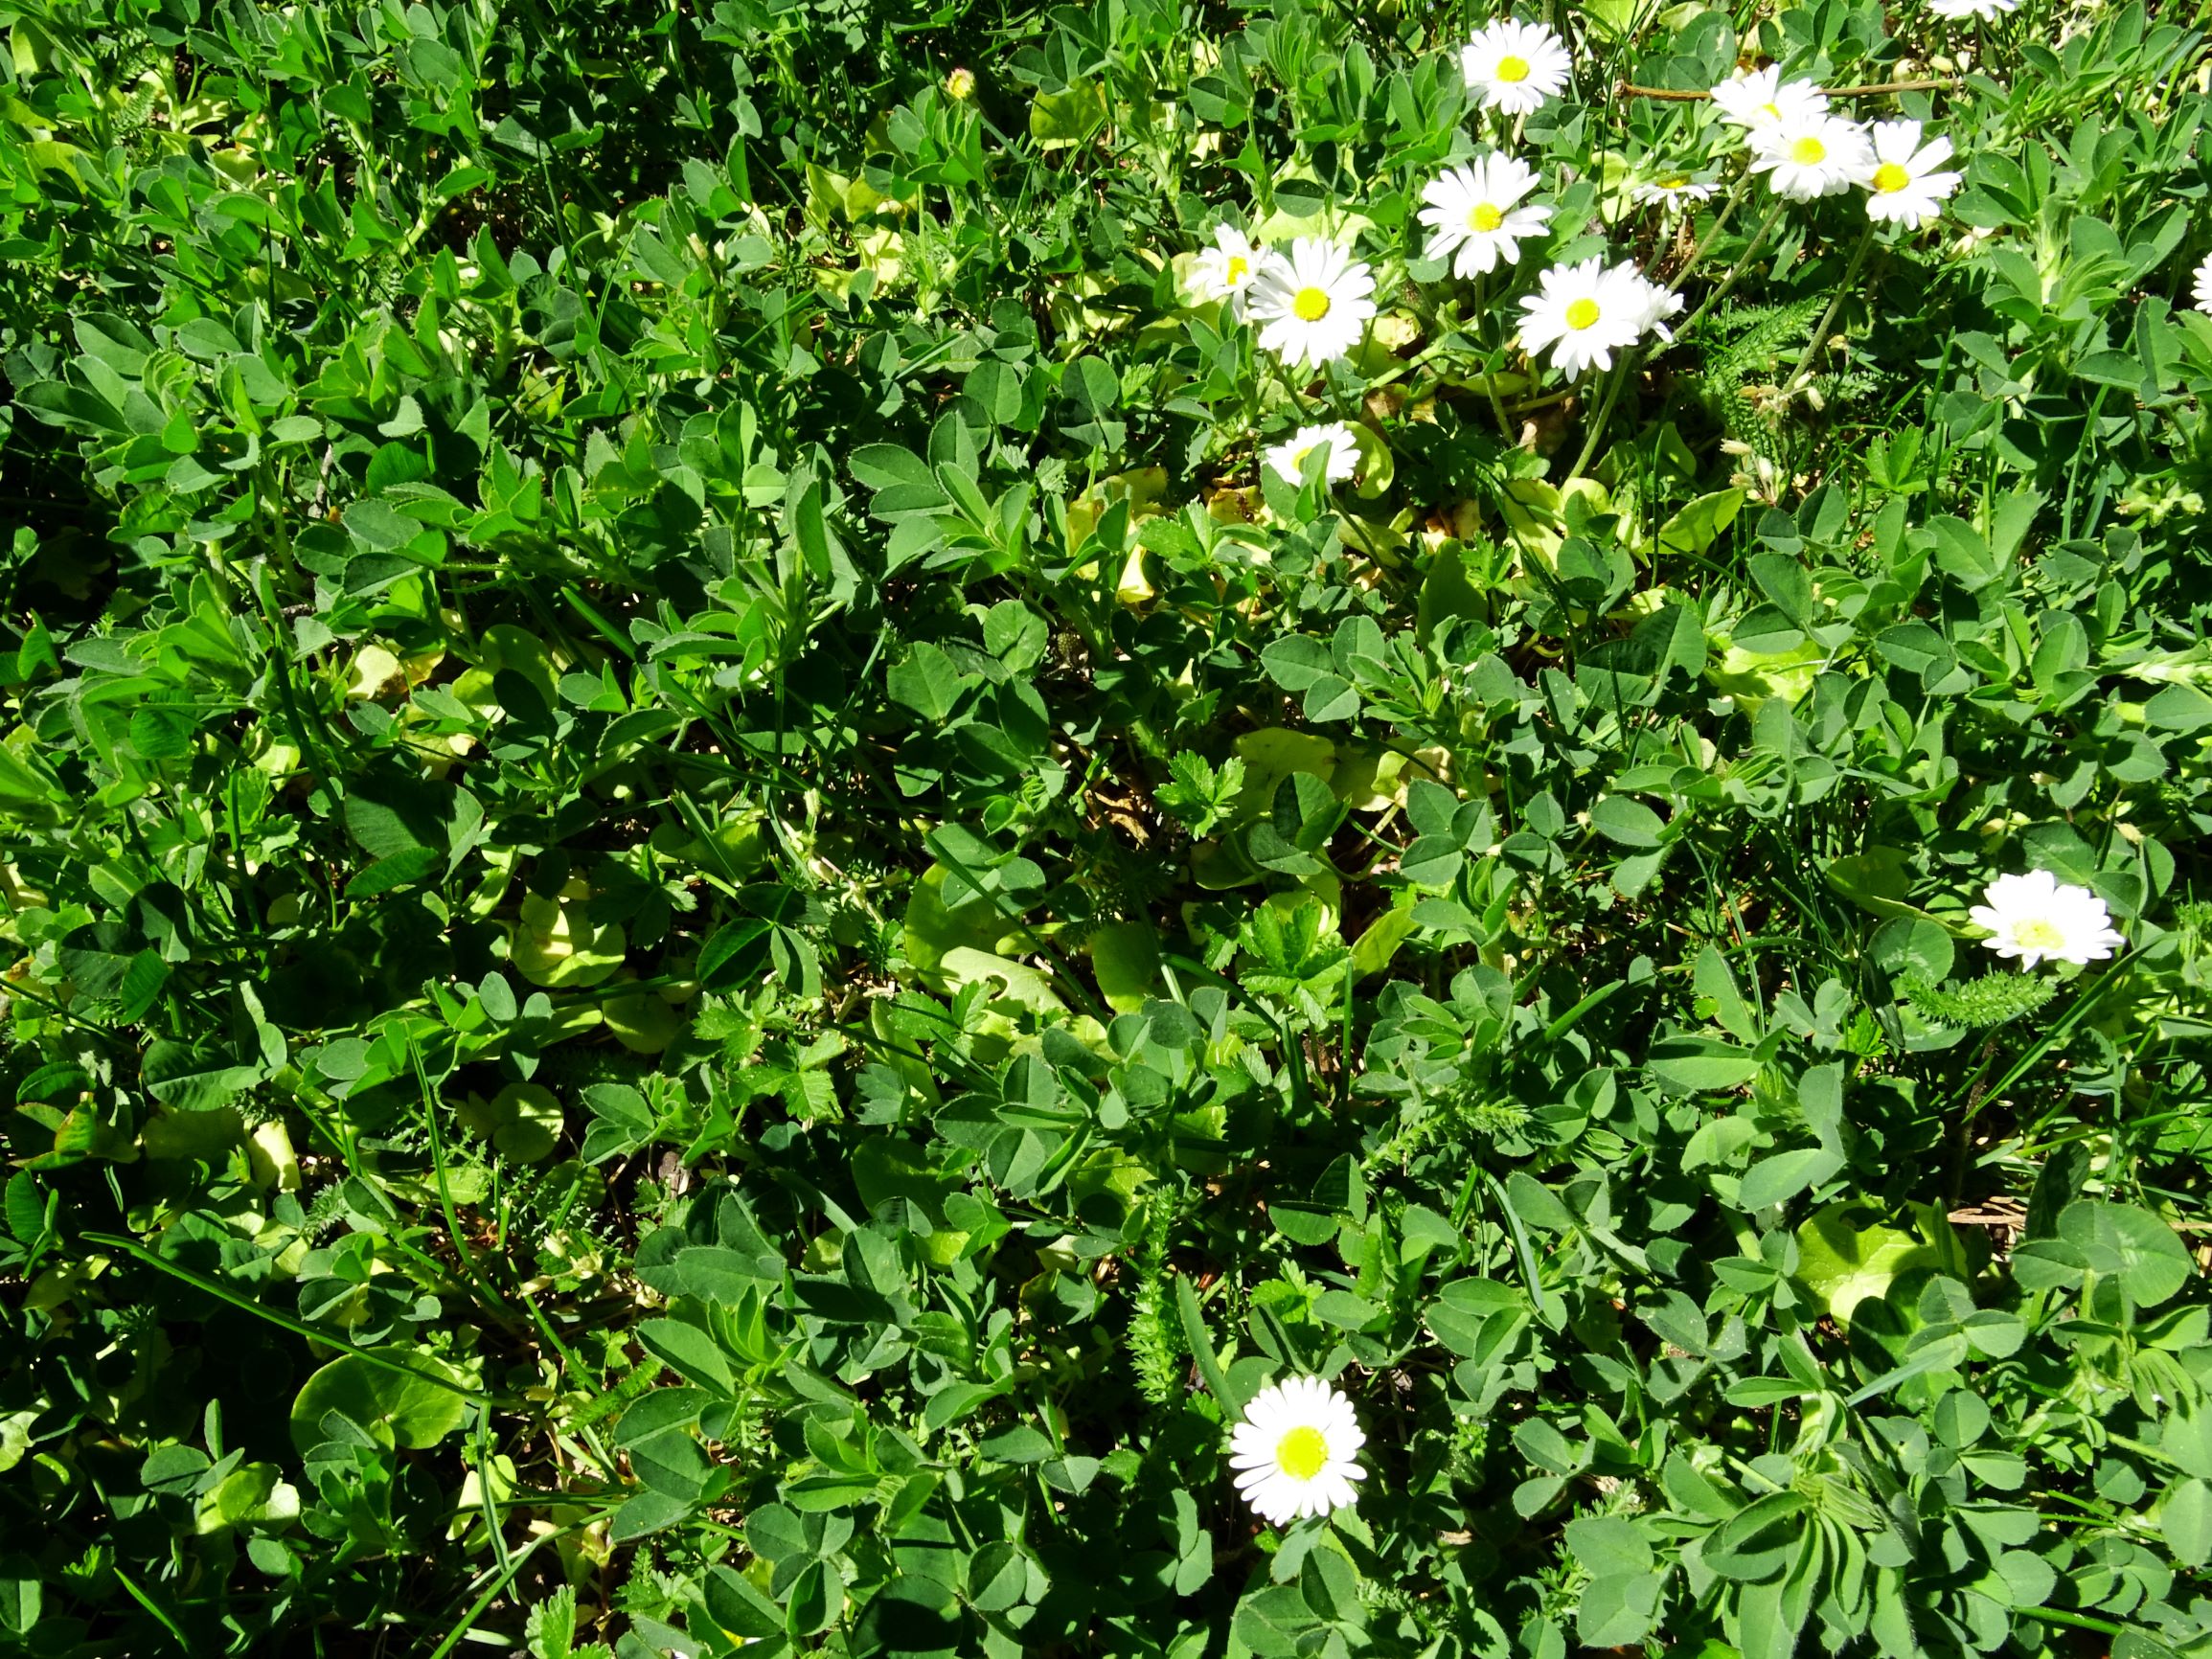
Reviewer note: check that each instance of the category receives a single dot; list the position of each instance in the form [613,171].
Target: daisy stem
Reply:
[1618,379]
[1254,387]
[1348,414]
[1498,408]
[1489,377]
[1803,373]
[1743,261]
[1298,397]
[1720,220]
[1399,370]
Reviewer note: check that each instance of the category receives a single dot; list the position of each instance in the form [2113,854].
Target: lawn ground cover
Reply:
[1170,831]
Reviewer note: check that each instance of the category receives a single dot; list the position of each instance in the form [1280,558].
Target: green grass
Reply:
[719,922]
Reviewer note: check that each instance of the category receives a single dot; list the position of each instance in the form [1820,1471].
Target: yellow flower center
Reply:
[1238,266]
[1484,218]
[2038,934]
[1772,111]
[1311,306]
[1303,1453]
[1298,456]
[1889,176]
[1512,68]
[1676,182]
[1582,314]
[1808,151]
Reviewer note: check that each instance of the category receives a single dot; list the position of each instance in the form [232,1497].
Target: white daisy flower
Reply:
[1514,66]
[2203,286]
[1671,191]
[1584,313]
[1813,155]
[1313,306]
[1982,9]
[1906,188]
[1475,216]
[1293,1451]
[1226,270]
[1758,99]
[1654,304]
[2036,916]
[1288,459]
